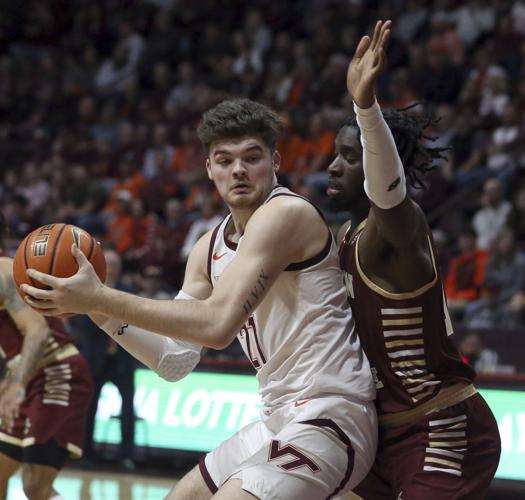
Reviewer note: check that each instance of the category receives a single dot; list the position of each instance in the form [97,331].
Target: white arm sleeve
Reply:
[385,182]
[170,359]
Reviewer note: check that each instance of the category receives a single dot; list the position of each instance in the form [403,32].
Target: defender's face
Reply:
[243,171]
[345,173]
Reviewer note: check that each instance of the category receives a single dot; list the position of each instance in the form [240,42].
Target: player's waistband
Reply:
[449,396]
[63,352]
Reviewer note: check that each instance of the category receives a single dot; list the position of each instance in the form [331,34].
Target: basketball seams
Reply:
[91,249]
[27,263]
[55,246]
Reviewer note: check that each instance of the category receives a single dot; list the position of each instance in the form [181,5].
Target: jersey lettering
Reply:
[299,460]
[448,322]
[248,332]
[349,285]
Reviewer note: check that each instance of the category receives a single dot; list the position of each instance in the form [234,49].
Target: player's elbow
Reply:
[222,326]
[219,340]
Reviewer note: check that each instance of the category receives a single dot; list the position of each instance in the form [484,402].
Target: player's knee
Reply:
[192,485]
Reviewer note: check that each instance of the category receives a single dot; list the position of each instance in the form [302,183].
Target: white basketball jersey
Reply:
[301,338]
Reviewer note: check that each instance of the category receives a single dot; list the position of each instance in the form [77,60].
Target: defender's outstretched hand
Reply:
[77,294]
[367,64]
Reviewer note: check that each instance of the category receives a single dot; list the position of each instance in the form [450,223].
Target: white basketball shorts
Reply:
[312,449]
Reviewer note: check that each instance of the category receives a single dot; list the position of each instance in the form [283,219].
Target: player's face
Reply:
[243,171]
[345,173]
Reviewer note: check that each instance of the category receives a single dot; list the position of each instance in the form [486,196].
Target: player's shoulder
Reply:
[290,207]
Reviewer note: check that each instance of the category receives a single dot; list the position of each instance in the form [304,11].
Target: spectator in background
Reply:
[516,218]
[132,231]
[115,71]
[504,280]
[466,273]
[160,144]
[109,363]
[209,218]
[153,285]
[491,217]
[474,353]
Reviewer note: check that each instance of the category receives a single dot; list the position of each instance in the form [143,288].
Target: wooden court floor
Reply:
[74,484]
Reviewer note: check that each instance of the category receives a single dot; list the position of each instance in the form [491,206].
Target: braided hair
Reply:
[408,131]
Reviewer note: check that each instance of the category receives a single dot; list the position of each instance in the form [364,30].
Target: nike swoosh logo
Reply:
[300,403]
[217,257]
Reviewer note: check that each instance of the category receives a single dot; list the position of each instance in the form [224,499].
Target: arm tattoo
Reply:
[257,291]
[120,329]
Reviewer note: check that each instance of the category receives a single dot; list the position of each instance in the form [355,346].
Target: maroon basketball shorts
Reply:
[54,411]
[447,455]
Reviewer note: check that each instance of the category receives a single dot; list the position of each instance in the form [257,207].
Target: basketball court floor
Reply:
[75,484]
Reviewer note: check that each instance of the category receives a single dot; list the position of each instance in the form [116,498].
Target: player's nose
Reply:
[334,169]
[238,167]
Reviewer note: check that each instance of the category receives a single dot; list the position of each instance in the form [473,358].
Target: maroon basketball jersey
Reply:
[11,339]
[406,336]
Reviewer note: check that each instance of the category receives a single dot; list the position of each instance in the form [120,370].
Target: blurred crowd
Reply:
[99,103]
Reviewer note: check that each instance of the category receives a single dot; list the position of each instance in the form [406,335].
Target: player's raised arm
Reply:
[284,231]
[395,217]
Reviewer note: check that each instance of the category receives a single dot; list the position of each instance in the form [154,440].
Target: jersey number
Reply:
[249,333]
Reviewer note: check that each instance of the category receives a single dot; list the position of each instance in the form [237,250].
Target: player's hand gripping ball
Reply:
[48,249]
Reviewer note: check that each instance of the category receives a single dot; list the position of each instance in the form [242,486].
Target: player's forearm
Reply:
[32,351]
[200,322]
[385,182]
[170,359]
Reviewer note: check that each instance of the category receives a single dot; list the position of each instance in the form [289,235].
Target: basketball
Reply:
[48,250]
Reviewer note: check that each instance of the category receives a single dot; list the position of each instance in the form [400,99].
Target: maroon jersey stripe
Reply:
[210,249]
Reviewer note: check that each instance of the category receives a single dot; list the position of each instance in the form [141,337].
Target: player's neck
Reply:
[360,211]
[240,217]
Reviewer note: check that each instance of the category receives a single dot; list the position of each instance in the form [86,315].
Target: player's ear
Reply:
[208,169]
[276,159]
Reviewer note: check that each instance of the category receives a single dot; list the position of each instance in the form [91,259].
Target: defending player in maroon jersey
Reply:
[438,438]
[43,395]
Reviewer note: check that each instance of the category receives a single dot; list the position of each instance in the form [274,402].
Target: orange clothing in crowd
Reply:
[291,149]
[134,185]
[188,158]
[128,233]
[465,275]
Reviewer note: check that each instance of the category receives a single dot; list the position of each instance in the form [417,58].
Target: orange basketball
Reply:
[48,249]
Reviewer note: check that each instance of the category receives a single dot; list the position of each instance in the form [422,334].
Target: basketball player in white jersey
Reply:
[269,275]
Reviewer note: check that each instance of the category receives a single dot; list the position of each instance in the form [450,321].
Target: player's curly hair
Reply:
[409,133]
[237,118]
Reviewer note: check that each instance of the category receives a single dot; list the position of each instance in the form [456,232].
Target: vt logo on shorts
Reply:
[300,459]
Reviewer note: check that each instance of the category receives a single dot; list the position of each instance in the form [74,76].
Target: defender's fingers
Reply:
[376,35]
[362,47]
[385,35]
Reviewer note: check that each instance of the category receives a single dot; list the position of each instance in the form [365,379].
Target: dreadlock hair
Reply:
[408,131]
[237,118]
